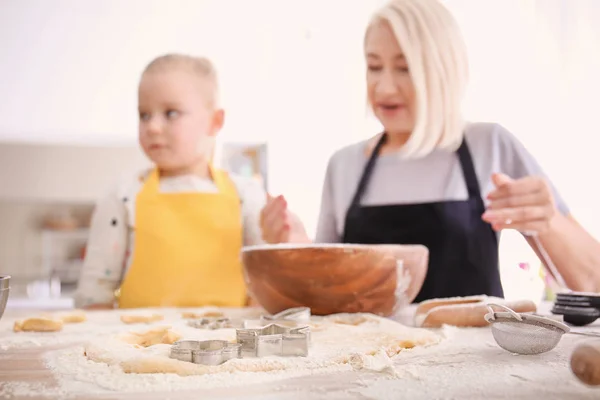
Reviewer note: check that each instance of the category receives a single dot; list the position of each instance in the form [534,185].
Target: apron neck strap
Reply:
[464,157]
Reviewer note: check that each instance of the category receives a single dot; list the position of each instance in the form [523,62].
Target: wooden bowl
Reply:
[335,278]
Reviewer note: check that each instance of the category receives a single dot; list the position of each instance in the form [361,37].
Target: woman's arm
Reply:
[574,252]
[531,203]
[527,205]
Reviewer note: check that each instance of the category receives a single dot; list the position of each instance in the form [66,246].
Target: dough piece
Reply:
[39,324]
[68,317]
[163,365]
[468,311]
[141,319]
[207,314]
[348,319]
[155,336]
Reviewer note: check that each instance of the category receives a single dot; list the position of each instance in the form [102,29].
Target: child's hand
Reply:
[279,224]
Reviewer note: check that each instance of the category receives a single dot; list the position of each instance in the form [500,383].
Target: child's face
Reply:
[177,124]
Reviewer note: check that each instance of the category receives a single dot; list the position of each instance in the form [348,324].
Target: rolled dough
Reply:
[152,337]
[38,324]
[50,322]
[207,314]
[69,317]
[141,318]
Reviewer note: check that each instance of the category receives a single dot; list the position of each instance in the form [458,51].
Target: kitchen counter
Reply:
[467,364]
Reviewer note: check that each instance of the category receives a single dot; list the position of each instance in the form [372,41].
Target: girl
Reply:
[171,236]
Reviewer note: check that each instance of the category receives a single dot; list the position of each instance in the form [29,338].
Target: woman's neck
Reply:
[393,143]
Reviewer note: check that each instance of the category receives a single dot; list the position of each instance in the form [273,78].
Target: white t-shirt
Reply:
[112,235]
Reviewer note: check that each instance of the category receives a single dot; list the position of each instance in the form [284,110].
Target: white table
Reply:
[467,365]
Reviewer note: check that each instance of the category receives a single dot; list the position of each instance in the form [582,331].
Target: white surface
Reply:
[467,365]
[24,303]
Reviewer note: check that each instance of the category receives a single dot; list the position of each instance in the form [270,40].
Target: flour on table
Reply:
[107,356]
[441,371]
[364,341]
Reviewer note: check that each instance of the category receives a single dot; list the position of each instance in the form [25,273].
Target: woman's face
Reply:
[389,85]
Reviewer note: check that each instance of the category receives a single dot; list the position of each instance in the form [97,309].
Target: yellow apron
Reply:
[187,248]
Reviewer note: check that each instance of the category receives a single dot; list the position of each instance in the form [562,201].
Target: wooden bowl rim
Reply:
[317,246]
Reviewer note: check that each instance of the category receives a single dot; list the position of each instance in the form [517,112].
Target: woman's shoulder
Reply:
[350,153]
[488,134]
[493,142]
[494,148]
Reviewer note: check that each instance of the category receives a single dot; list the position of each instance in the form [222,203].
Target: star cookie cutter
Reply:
[291,318]
[297,314]
[274,340]
[205,352]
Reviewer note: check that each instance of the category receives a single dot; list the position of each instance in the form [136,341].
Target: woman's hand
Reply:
[279,224]
[526,204]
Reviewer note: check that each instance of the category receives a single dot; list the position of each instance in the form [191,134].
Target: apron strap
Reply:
[366,175]
[464,157]
[468,169]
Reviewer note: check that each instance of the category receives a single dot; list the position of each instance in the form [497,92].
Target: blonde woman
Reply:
[430,177]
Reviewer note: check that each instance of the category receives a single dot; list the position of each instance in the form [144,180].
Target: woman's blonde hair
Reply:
[201,66]
[437,59]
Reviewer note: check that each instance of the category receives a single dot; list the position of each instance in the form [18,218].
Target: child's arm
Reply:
[105,255]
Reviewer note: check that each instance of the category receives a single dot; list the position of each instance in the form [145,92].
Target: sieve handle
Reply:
[585,363]
[509,310]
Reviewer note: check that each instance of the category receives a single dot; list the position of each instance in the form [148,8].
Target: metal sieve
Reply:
[525,333]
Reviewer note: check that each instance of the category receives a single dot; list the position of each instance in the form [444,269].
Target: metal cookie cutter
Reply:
[297,314]
[274,340]
[206,352]
[211,323]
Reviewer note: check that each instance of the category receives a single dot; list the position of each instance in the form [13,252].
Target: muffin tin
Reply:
[578,308]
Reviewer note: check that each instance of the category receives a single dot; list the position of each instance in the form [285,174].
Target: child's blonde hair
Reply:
[201,66]
[437,59]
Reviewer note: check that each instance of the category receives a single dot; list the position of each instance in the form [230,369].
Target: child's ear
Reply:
[218,119]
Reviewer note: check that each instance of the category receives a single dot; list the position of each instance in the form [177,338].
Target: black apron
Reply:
[463,249]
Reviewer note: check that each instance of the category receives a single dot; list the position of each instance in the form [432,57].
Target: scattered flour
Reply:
[335,348]
[464,364]
[10,390]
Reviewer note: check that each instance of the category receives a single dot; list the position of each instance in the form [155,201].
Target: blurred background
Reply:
[292,78]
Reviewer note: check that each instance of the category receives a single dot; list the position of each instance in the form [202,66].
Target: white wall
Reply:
[42,173]
[38,180]
[291,73]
